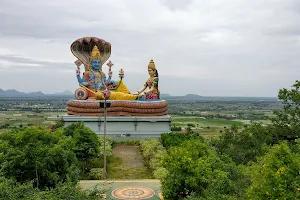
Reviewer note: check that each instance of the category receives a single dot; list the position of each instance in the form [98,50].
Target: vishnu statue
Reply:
[97,86]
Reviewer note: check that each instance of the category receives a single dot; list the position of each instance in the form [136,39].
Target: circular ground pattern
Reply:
[133,192]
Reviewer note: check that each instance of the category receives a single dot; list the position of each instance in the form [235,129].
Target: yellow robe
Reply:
[121,93]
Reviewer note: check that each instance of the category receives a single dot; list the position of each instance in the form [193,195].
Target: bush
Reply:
[154,153]
[9,189]
[88,166]
[160,173]
[128,142]
[191,125]
[196,169]
[175,139]
[58,124]
[276,174]
[243,145]
[109,143]
[38,154]
[96,174]
[87,144]
[176,128]
[286,126]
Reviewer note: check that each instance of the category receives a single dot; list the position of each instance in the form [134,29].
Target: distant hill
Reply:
[191,97]
[11,93]
[195,97]
[165,95]
[64,93]
[15,93]
[36,94]
[188,97]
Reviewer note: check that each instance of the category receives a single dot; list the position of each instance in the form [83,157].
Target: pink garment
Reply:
[152,96]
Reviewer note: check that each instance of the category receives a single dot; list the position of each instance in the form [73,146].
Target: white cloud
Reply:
[208,47]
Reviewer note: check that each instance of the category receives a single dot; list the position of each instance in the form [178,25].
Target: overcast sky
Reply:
[205,47]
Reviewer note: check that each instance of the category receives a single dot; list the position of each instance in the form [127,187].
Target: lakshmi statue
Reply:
[151,84]
[94,85]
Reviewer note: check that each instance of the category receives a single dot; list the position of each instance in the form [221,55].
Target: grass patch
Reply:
[206,127]
[116,170]
[196,120]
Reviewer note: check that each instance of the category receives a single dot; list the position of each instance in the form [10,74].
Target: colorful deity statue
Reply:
[100,87]
[151,84]
[96,78]
[94,85]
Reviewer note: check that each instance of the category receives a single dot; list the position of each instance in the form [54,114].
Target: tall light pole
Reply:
[109,64]
[105,113]
[104,105]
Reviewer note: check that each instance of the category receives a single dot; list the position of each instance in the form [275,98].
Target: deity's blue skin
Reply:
[96,64]
[95,83]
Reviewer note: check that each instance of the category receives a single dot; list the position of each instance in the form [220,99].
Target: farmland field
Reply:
[206,117]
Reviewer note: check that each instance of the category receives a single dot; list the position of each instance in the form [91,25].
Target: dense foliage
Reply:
[255,162]
[154,153]
[195,169]
[276,175]
[175,139]
[243,145]
[286,124]
[86,142]
[87,149]
[175,128]
[38,154]
[12,190]
[251,162]
[47,157]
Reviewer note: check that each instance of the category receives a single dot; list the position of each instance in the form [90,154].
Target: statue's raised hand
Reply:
[78,72]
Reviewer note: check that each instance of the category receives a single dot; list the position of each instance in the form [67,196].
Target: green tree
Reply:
[286,124]
[86,141]
[243,145]
[87,148]
[154,153]
[12,190]
[38,154]
[58,124]
[276,174]
[191,125]
[195,169]
[175,128]
[175,139]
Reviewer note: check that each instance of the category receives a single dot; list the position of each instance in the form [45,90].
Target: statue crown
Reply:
[151,65]
[95,54]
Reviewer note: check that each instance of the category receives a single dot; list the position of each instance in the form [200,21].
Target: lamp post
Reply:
[105,106]
[105,113]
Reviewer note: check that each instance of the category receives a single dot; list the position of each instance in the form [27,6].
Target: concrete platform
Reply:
[110,185]
[124,128]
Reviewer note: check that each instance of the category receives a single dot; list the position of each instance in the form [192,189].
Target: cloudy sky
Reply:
[205,47]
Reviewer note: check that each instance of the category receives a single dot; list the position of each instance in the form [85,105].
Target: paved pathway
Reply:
[130,155]
[128,189]
[132,166]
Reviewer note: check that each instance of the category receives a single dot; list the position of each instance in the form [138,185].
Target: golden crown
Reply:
[95,54]
[151,65]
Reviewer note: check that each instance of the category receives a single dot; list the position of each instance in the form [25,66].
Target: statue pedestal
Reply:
[125,128]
